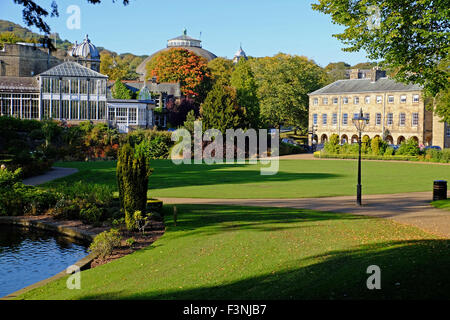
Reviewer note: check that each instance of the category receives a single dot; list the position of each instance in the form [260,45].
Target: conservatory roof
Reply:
[72,69]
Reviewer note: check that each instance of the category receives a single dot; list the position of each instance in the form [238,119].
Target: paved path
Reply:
[52,174]
[407,208]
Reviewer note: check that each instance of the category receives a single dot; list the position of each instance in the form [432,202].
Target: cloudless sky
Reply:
[264,27]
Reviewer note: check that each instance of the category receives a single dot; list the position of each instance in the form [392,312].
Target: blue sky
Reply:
[264,27]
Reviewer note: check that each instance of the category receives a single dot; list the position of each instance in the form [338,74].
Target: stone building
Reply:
[27,59]
[396,112]
[30,59]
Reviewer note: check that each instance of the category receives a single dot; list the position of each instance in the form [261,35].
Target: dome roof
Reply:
[240,53]
[85,50]
[144,93]
[71,51]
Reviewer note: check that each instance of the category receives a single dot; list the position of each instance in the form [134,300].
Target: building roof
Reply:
[172,89]
[366,86]
[184,37]
[19,84]
[72,69]
[85,50]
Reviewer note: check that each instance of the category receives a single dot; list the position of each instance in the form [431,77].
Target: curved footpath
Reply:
[52,174]
[408,208]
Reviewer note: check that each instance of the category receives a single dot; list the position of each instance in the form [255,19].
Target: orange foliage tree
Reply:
[183,66]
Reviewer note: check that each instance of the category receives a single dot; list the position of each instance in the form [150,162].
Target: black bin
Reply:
[439,190]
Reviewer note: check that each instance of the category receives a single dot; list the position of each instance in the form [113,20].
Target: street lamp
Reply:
[360,122]
[312,131]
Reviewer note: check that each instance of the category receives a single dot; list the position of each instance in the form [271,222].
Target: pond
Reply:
[29,255]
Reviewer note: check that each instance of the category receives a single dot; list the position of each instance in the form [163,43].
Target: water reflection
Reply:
[28,255]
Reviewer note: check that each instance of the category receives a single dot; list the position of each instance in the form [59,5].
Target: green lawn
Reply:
[227,252]
[442,204]
[295,179]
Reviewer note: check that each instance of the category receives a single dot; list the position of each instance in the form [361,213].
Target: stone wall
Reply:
[25,61]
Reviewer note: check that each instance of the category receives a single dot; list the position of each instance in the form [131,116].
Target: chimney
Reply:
[354,74]
[377,74]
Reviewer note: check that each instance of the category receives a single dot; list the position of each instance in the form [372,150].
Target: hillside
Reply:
[112,63]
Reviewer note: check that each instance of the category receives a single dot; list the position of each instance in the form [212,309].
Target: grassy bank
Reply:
[270,253]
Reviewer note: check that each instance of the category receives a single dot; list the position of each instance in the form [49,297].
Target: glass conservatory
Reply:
[71,91]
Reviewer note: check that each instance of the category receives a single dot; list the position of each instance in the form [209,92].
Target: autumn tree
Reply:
[242,79]
[221,69]
[220,110]
[284,82]
[410,37]
[183,66]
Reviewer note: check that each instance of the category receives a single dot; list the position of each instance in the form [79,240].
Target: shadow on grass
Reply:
[409,270]
[168,175]
[213,219]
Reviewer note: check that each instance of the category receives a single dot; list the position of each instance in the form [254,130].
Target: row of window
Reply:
[25,106]
[356,99]
[74,110]
[378,119]
[74,86]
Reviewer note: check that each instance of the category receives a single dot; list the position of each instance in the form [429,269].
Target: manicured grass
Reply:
[442,204]
[295,179]
[232,252]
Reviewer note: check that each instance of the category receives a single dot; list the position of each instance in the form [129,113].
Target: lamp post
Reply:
[360,122]
[312,132]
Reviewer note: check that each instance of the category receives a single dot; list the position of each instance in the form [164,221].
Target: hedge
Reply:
[365,157]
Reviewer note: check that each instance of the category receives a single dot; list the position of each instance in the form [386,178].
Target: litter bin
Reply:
[439,190]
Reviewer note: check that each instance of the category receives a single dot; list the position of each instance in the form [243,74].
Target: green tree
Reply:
[120,91]
[221,69]
[284,82]
[189,123]
[337,70]
[243,80]
[220,109]
[411,37]
[132,179]
[8,37]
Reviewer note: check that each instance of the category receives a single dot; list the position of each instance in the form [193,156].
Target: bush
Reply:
[365,145]
[155,144]
[91,215]
[105,242]
[389,151]
[378,146]
[410,148]
[332,146]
